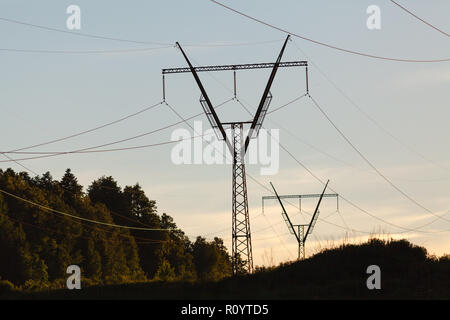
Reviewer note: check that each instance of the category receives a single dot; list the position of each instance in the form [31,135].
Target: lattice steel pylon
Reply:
[241,235]
[300,234]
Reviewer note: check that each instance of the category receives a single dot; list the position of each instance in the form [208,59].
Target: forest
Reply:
[37,245]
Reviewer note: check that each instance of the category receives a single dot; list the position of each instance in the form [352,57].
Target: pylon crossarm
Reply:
[235,67]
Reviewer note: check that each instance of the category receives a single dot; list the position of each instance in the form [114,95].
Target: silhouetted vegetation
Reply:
[406,273]
[36,245]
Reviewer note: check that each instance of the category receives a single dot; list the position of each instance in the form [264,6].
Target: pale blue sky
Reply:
[46,96]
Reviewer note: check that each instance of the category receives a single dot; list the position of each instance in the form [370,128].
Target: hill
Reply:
[407,272]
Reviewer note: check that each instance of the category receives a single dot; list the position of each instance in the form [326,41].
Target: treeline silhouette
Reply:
[407,272]
[36,245]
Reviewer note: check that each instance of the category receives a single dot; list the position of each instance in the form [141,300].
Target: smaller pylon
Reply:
[299,229]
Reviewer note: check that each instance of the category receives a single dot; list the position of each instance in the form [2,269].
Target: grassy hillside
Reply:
[407,272]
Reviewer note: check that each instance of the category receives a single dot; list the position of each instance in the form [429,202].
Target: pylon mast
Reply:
[242,256]
[241,236]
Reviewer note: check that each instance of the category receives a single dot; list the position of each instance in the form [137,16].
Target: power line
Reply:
[15,50]
[279,238]
[321,219]
[274,110]
[366,115]
[89,130]
[351,203]
[320,181]
[311,145]
[81,151]
[127,237]
[417,17]
[358,207]
[292,101]
[116,39]
[346,226]
[246,109]
[235,44]
[164,45]
[18,163]
[80,34]
[364,211]
[89,149]
[370,163]
[406,230]
[286,104]
[133,50]
[77,217]
[323,43]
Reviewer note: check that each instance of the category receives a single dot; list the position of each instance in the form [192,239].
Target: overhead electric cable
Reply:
[405,230]
[85,150]
[163,45]
[45,208]
[80,34]
[89,130]
[417,17]
[371,164]
[369,117]
[323,43]
[15,50]
[189,125]
[185,120]
[18,163]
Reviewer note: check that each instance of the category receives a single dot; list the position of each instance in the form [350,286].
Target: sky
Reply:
[395,113]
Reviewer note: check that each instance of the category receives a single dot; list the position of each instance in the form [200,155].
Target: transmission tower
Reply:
[241,235]
[299,229]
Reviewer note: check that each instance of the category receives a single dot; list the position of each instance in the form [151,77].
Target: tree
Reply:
[71,189]
[138,205]
[211,259]
[141,212]
[106,190]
